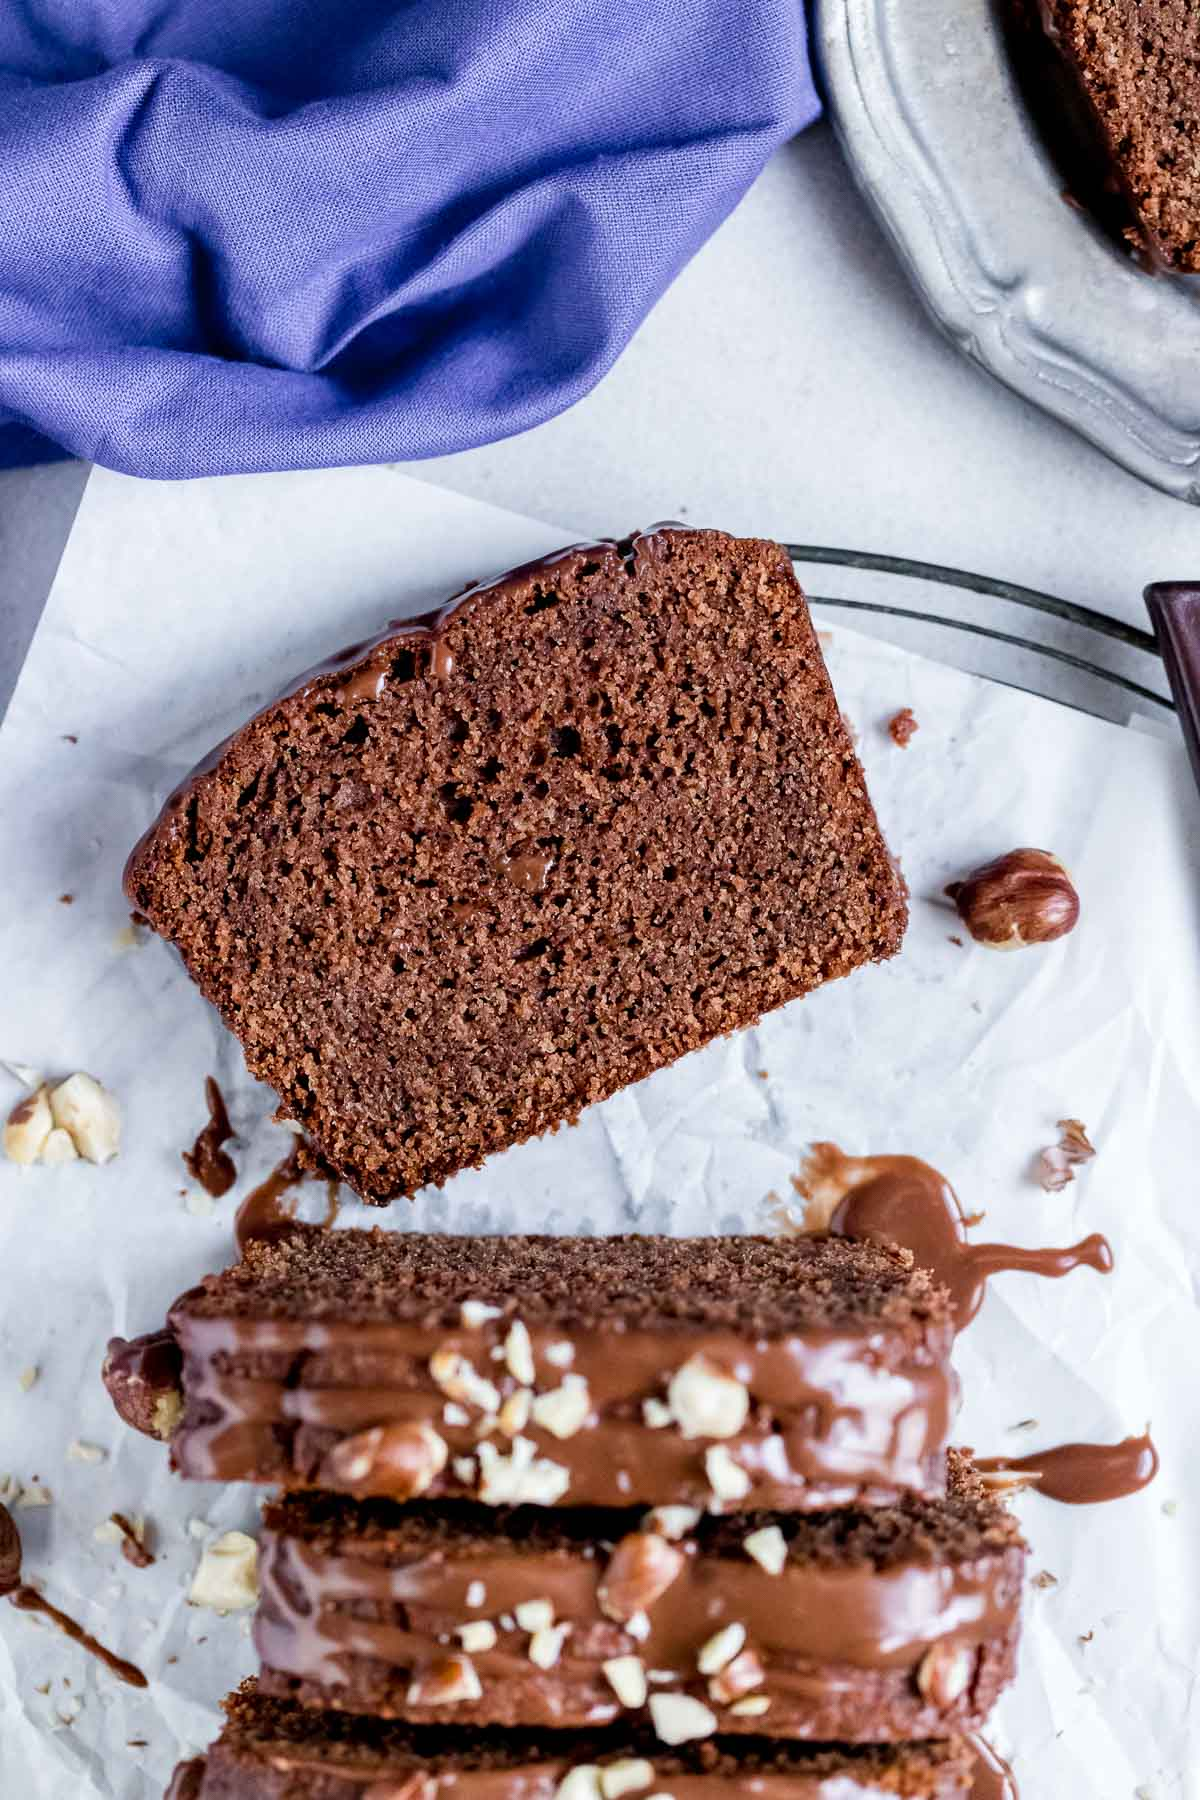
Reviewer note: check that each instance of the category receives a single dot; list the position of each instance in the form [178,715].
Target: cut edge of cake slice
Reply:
[274,1750]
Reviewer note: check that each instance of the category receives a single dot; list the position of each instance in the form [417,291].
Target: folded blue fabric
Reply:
[262,234]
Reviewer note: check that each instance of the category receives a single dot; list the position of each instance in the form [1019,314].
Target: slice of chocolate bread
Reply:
[735,1372]
[270,1750]
[878,1625]
[503,861]
[1137,67]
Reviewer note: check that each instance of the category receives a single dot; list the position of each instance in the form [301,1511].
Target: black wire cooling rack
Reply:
[1067,652]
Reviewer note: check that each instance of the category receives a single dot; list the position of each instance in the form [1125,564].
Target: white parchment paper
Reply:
[176,611]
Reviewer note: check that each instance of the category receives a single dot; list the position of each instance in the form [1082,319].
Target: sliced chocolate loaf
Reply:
[270,1750]
[724,1372]
[886,1625]
[1137,68]
[507,859]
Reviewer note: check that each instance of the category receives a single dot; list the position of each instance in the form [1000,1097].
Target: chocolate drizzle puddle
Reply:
[1083,1474]
[206,1162]
[994,1780]
[902,1200]
[262,1216]
[27,1599]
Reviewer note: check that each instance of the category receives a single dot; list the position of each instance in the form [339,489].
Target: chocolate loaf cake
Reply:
[270,1750]
[886,1625]
[1137,69]
[724,1372]
[503,861]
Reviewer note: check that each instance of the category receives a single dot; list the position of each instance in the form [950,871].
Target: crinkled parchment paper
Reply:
[176,611]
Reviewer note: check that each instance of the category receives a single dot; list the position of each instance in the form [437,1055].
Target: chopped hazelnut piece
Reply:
[678,1718]
[522,1478]
[768,1547]
[642,1567]
[625,1777]
[534,1615]
[545,1646]
[28,1126]
[726,1479]
[446,1683]
[518,1354]
[89,1113]
[459,1379]
[565,1409]
[626,1676]
[720,1649]
[226,1578]
[474,1313]
[705,1402]
[581,1783]
[395,1462]
[945,1673]
[672,1521]
[1058,1163]
[738,1677]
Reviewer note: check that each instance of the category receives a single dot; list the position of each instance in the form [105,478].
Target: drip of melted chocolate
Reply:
[994,1780]
[441,659]
[365,684]
[1084,1474]
[262,1215]
[206,1162]
[902,1200]
[27,1599]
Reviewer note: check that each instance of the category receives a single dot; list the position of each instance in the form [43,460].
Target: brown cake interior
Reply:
[259,1730]
[1138,66]
[759,1286]
[964,1525]
[451,894]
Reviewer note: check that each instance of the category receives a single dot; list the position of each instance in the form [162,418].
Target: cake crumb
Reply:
[901,727]
[78,1451]
[66,899]
[27,1378]
[1044,1579]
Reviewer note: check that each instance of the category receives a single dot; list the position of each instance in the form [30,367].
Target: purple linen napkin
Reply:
[261,234]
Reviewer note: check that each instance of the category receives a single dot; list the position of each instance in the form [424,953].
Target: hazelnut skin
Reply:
[1025,897]
[10,1553]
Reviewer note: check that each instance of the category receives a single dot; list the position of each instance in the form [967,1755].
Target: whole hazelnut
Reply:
[1025,897]
[144,1380]
[10,1553]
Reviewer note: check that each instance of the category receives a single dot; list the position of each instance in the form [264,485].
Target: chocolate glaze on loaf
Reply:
[271,1750]
[886,1625]
[569,1371]
[509,858]
[1137,68]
